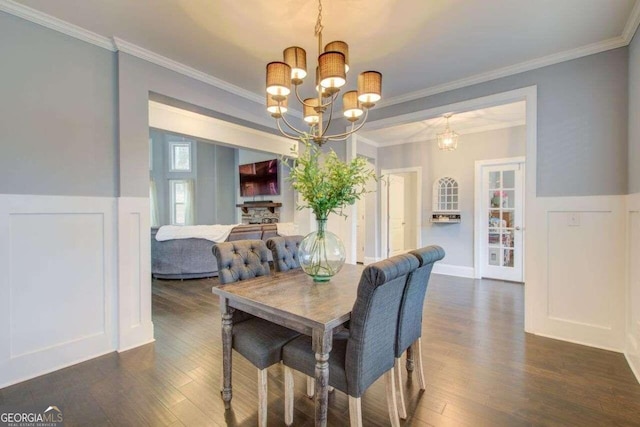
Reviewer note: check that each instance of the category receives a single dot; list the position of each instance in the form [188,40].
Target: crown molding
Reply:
[40,18]
[142,53]
[533,64]
[632,23]
[116,44]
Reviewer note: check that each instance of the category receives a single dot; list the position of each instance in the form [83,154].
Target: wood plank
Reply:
[480,368]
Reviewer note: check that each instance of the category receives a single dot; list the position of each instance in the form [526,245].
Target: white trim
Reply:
[579,342]
[556,58]
[453,270]
[632,348]
[599,320]
[384,212]
[168,63]
[115,44]
[135,325]
[632,23]
[175,119]
[172,159]
[457,108]
[477,209]
[48,21]
[476,129]
[96,239]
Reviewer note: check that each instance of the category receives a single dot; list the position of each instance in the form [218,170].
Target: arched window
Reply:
[446,206]
[445,195]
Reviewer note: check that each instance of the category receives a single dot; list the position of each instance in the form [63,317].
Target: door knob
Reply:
[518,228]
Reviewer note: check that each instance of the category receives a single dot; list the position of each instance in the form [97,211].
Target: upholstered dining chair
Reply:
[256,339]
[285,252]
[410,318]
[364,352]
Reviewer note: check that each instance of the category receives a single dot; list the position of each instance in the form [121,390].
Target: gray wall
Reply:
[582,121]
[456,239]
[213,171]
[634,115]
[226,172]
[57,113]
[137,78]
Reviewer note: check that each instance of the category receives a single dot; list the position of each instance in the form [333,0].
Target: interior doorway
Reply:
[499,214]
[401,206]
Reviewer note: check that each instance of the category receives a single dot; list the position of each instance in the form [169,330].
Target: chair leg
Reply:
[311,387]
[391,398]
[262,397]
[402,410]
[418,359]
[355,412]
[288,396]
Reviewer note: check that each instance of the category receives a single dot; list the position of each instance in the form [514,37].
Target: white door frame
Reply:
[534,303]
[478,213]
[384,212]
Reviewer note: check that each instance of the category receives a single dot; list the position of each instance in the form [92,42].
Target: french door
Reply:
[501,221]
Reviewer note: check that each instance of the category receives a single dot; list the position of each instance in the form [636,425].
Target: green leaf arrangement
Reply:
[326,183]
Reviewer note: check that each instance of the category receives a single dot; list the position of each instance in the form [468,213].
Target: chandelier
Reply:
[447,140]
[330,77]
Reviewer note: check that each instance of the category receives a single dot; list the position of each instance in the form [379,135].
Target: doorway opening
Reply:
[401,209]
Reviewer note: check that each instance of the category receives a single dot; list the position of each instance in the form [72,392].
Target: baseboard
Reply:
[136,345]
[54,368]
[370,260]
[632,354]
[454,270]
[572,341]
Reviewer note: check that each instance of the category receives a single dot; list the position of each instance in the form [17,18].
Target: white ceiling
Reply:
[499,117]
[416,44]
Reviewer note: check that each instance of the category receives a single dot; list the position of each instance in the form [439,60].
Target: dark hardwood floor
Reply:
[480,367]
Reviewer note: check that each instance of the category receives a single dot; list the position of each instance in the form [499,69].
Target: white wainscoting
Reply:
[632,348]
[134,274]
[57,282]
[576,275]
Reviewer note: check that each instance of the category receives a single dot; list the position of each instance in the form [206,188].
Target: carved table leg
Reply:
[227,336]
[409,359]
[322,341]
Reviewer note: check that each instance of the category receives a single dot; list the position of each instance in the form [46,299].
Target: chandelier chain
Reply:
[319,27]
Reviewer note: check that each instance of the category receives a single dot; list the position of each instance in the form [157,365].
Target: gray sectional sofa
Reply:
[192,258]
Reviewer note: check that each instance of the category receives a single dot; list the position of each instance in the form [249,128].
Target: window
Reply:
[445,195]
[181,201]
[180,153]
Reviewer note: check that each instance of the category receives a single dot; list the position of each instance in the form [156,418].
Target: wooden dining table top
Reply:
[295,299]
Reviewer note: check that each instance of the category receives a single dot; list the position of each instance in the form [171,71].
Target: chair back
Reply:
[374,321]
[285,252]
[241,260]
[410,318]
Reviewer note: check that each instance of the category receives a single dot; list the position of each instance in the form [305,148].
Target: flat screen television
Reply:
[259,179]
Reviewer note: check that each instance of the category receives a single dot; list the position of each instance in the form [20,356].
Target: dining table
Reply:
[292,299]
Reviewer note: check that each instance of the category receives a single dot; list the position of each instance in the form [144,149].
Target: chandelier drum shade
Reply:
[447,140]
[330,78]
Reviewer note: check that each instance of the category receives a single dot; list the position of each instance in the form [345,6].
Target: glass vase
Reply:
[321,253]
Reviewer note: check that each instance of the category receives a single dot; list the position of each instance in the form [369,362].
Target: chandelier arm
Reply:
[300,99]
[285,134]
[352,131]
[290,126]
[333,98]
